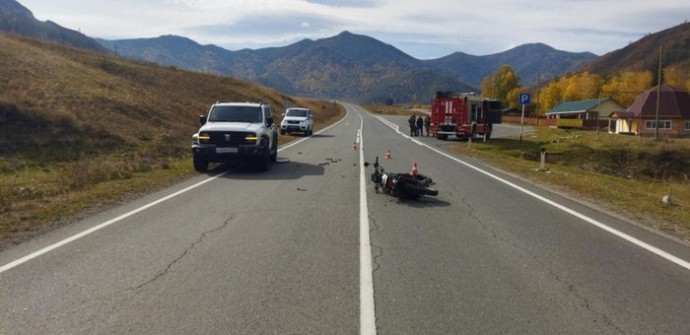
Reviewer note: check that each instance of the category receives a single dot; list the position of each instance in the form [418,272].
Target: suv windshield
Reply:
[235,114]
[297,112]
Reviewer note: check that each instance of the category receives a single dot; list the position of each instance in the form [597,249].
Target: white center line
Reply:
[367,315]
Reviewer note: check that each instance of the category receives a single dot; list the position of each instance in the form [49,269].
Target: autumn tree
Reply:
[624,88]
[574,87]
[512,96]
[677,77]
[498,86]
[551,95]
[582,86]
[487,87]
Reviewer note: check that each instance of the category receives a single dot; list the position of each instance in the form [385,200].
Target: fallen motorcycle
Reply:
[401,185]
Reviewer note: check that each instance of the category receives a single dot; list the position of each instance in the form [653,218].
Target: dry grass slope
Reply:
[78,129]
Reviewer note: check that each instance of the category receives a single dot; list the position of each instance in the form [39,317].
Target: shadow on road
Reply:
[284,169]
[422,202]
[321,136]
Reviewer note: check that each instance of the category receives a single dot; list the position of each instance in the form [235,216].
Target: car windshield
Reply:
[297,112]
[235,114]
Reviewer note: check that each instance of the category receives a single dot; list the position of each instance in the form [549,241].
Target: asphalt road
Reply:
[286,252]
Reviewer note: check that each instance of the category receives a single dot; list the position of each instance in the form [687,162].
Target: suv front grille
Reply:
[229,138]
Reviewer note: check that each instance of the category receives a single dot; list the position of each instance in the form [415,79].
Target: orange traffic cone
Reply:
[388,154]
[354,146]
[414,169]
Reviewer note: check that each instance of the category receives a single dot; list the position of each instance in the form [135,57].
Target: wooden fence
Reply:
[558,122]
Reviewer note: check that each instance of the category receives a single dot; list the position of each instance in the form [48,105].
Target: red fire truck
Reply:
[464,116]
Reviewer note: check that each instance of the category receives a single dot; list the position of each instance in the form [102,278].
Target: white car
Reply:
[297,120]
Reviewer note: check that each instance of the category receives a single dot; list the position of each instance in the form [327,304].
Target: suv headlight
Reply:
[200,138]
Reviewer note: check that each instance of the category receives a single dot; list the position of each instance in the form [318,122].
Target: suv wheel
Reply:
[200,164]
[263,161]
[274,152]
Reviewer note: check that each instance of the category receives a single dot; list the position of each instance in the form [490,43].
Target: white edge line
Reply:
[644,245]
[101,226]
[77,236]
[367,314]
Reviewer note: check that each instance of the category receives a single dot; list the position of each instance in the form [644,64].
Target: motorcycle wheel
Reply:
[430,191]
[415,191]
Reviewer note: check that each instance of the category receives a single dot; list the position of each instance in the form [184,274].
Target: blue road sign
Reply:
[524,98]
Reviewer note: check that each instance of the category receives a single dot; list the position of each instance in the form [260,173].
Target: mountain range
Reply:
[345,66]
[673,43]
[351,66]
[17,19]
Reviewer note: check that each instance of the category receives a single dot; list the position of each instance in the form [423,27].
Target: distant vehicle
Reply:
[463,116]
[297,120]
[236,131]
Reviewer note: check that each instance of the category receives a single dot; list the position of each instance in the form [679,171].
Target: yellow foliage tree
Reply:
[677,77]
[512,96]
[498,86]
[624,88]
[505,80]
[487,87]
[582,86]
[574,87]
[551,95]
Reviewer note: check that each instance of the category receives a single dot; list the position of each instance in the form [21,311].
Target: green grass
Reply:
[624,174]
[80,130]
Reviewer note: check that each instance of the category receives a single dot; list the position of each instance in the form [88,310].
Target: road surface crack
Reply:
[377,251]
[585,303]
[571,288]
[184,253]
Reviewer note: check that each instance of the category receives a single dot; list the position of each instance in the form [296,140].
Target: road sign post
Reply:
[524,99]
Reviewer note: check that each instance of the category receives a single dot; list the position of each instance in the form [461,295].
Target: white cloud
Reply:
[424,29]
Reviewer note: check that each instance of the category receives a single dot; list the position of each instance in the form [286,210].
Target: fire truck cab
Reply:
[464,116]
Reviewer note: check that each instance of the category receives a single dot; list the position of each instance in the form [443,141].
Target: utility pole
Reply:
[658,97]
[598,113]
[536,111]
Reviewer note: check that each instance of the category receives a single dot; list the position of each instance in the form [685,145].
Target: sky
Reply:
[423,29]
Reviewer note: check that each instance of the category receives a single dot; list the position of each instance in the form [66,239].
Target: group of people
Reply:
[419,124]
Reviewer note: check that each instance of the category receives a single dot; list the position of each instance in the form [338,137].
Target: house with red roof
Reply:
[641,117]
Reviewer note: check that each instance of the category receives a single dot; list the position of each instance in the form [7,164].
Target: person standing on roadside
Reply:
[427,124]
[420,126]
[412,123]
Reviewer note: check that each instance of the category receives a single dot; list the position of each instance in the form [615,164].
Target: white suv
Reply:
[235,130]
[297,120]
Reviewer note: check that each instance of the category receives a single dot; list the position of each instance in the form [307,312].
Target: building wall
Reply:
[677,127]
[607,107]
[625,126]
